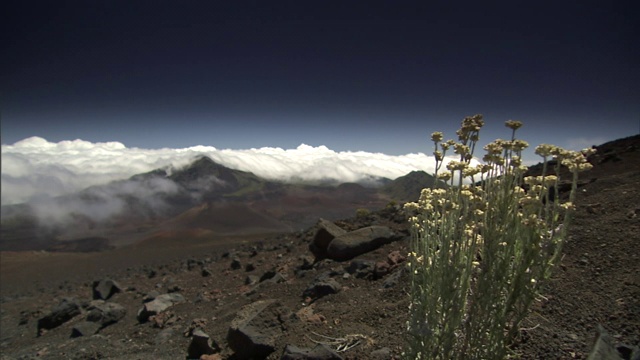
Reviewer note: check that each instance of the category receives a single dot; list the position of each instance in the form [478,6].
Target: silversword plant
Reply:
[479,251]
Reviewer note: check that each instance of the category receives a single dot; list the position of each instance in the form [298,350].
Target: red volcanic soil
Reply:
[596,283]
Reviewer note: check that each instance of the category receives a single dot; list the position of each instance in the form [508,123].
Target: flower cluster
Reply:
[479,251]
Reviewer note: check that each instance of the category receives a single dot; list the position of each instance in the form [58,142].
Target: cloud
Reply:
[34,169]
[100,203]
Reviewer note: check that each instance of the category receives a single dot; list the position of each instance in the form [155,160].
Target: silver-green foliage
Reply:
[479,251]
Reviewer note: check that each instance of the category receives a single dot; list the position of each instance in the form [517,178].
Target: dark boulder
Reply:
[105,288]
[105,313]
[256,327]
[348,246]
[326,232]
[201,344]
[67,309]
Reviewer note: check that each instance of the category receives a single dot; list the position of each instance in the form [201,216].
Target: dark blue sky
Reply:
[377,76]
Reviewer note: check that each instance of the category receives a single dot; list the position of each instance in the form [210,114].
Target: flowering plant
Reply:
[479,251]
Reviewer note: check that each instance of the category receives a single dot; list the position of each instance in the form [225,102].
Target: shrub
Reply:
[362,213]
[479,251]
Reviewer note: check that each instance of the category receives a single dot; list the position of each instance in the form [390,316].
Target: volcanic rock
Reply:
[327,231]
[201,344]
[273,276]
[206,272]
[85,328]
[603,348]
[253,332]
[322,287]
[158,305]
[105,313]
[235,263]
[61,313]
[251,280]
[395,258]
[393,279]
[150,296]
[361,269]
[105,288]
[381,354]
[358,242]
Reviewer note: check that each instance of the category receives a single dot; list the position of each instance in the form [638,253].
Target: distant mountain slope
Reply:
[202,195]
[407,188]
[204,173]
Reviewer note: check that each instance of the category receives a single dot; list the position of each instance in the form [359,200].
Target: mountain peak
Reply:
[408,187]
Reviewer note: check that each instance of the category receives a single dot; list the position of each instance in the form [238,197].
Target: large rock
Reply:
[358,242]
[67,309]
[253,332]
[158,305]
[326,232]
[201,344]
[105,313]
[319,352]
[105,288]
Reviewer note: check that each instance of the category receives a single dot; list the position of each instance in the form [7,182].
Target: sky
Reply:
[374,77]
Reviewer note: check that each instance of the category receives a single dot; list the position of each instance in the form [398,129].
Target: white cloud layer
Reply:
[35,168]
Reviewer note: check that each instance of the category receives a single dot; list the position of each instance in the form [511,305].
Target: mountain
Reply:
[203,196]
[407,188]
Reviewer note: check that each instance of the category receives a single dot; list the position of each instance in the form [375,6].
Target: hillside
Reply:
[356,307]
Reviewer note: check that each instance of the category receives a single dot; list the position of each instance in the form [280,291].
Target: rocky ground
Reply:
[267,297]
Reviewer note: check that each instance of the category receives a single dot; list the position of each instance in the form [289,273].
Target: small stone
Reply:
[151,295]
[251,280]
[381,354]
[322,288]
[164,336]
[235,264]
[319,352]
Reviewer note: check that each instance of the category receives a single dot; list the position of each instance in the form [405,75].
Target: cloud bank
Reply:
[35,169]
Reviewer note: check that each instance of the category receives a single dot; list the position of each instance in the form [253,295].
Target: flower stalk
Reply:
[479,252]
